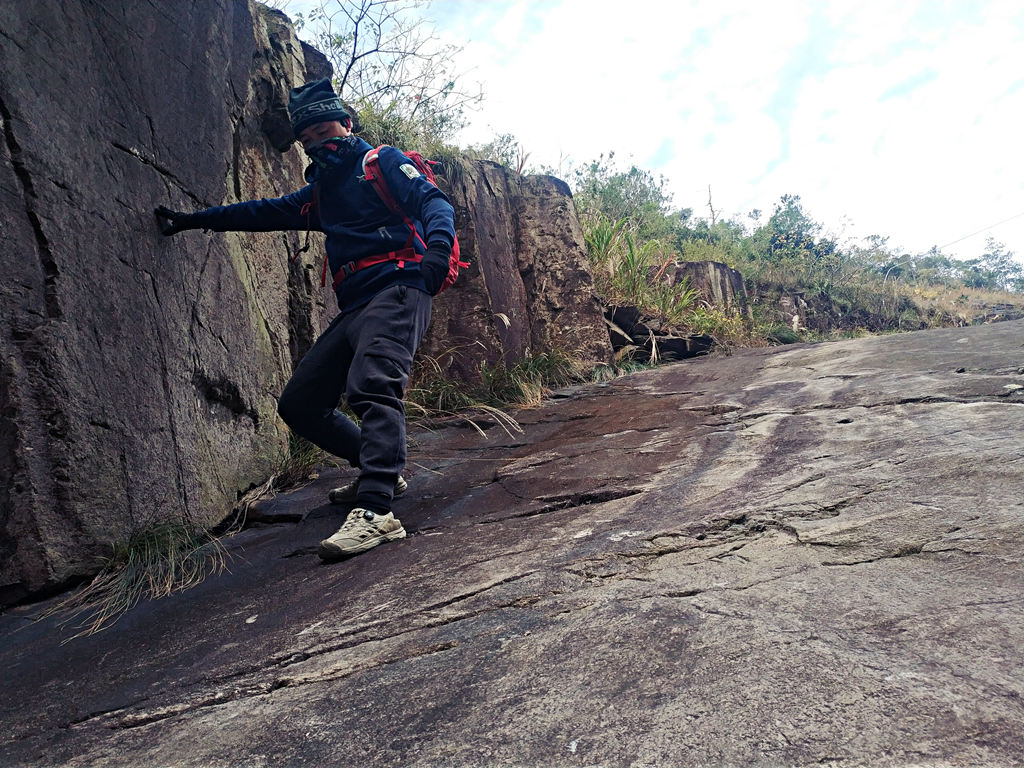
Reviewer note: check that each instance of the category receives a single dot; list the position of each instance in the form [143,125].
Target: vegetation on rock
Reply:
[849,288]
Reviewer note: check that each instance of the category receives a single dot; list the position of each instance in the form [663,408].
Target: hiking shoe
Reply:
[347,493]
[361,531]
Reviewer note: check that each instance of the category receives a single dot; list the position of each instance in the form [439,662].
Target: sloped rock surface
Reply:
[138,374]
[807,557]
[528,288]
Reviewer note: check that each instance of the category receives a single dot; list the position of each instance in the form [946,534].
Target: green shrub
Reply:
[782,334]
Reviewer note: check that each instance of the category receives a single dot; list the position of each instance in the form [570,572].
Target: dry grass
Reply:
[961,305]
[155,561]
[297,468]
[165,557]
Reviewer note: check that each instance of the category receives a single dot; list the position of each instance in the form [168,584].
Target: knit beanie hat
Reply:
[312,103]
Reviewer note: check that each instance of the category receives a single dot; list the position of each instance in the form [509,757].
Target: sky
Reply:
[896,119]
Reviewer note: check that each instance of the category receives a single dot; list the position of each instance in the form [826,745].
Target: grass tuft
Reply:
[434,397]
[154,561]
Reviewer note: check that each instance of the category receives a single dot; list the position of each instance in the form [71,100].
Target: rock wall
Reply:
[138,374]
[528,288]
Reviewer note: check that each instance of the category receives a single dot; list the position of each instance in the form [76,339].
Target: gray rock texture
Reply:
[138,374]
[806,557]
[528,288]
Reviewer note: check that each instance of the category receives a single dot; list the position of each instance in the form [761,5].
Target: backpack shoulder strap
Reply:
[372,173]
[314,206]
[306,211]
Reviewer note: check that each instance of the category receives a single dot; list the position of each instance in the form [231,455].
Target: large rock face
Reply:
[528,288]
[138,374]
[799,557]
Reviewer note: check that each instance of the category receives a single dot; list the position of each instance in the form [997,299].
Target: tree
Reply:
[995,270]
[999,265]
[793,234]
[635,196]
[391,67]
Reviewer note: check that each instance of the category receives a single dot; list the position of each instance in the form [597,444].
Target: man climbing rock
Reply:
[387,264]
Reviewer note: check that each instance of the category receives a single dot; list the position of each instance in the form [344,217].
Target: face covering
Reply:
[330,153]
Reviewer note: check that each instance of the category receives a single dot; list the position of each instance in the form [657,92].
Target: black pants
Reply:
[367,355]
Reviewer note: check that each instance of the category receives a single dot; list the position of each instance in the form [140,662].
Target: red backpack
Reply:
[371,172]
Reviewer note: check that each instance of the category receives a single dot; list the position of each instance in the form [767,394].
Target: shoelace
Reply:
[355,517]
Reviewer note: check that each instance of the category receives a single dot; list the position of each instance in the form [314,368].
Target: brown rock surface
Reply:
[528,288]
[138,374]
[799,557]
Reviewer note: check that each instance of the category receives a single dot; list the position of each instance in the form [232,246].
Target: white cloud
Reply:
[928,164]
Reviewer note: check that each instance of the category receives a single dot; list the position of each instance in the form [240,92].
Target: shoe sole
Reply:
[329,551]
[336,498]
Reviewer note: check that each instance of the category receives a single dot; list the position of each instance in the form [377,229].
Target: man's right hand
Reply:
[434,266]
[172,222]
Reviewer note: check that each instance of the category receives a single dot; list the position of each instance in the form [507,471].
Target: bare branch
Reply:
[390,63]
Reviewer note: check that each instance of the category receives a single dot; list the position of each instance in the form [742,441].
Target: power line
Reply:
[983,229]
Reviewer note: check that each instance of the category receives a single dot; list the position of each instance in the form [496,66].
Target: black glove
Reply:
[172,222]
[434,266]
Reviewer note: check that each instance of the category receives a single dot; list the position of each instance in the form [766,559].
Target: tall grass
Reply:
[434,397]
[622,270]
[602,237]
[168,556]
[387,126]
[528,381]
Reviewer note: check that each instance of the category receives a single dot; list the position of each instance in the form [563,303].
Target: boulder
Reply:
[138,373]
[716,284]
[630,320]
[794,310]
[528,288]
[648,340]
[822,312]
[996,313]
[666,348]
